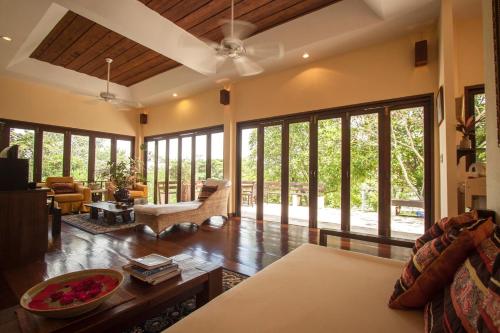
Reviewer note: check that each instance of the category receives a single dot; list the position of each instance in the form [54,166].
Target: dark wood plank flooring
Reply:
[241,245]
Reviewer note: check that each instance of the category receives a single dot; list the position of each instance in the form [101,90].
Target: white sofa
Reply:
[312,289]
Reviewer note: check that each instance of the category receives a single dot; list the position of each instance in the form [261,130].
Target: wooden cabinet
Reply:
[23,227]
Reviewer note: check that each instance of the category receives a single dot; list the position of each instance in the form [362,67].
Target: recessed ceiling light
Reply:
[7,38]
[305,55]
[175,95]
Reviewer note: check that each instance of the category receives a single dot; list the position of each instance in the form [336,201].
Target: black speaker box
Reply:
[421,53]
[13,174]
[143,119]
[225,97]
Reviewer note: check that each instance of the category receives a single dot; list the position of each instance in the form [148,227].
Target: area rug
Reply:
[99,226]
[173,314]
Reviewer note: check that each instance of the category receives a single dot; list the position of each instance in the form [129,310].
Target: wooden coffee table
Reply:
[199,278]
[110,211]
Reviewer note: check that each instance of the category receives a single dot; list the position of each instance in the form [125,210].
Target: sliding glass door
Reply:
[361,169]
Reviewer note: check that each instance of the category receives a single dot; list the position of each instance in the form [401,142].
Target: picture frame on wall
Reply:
[440,105]
[496,39]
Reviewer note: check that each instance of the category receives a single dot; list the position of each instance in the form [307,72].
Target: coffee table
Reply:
[110,211]
[199,278]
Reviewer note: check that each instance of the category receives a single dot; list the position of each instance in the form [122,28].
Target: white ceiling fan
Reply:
[111,98]
[242,54]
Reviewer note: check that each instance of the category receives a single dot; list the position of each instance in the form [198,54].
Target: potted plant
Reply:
[467,128]
[122,175]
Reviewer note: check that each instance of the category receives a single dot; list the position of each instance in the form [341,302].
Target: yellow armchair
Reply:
[137,191]
[69,196]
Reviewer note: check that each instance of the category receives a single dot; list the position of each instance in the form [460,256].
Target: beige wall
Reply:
[32,102]
[492,144]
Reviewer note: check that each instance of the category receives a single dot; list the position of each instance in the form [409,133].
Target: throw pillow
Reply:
[62,188]
[434,264]
[470,303]
[206,191]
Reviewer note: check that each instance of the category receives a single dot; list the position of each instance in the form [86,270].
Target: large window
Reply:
[355,169]
[55,151]
[189,157]
[25,139]
[80,157]
[475,108]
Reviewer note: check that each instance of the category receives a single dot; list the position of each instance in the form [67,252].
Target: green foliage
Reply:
[25,139]
[53,154]
[79,157]
[123,174]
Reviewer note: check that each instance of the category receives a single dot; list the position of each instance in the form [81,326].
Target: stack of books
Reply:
[152,269]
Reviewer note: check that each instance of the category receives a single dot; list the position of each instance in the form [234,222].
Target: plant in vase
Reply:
[122,176]
[467,128]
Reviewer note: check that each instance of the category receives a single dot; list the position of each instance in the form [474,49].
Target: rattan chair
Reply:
[161,217]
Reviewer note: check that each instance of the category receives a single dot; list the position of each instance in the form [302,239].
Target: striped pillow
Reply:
[471,302]
[206,191]
[434,264]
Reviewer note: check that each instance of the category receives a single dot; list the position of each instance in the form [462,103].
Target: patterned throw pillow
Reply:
[442,226]
[434,264]
[62,188]
[206,191]
[470,303]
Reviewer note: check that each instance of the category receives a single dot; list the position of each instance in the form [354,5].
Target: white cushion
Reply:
[157,210]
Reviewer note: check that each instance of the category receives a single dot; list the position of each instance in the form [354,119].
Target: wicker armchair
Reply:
[161,217]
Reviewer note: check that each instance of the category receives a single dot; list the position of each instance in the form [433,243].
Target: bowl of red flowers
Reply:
[72,294]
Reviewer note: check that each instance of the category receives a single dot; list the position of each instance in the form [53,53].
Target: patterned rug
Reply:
[99,226]
[173,314]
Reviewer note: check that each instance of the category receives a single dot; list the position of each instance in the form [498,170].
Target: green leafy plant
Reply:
[124,173]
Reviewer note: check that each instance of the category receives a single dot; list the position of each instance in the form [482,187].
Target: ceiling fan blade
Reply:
[266,50]
[126,103]
[247,67]
[242,29]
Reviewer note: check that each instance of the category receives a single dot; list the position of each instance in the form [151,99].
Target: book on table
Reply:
[151,261]
[152,268]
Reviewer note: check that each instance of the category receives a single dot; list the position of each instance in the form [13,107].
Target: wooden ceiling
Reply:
[79,44]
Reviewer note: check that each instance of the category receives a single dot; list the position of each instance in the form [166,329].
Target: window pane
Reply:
[52,154]
[26,141]
[329,172]
[173,157]
[79,157]
[217,152]
[480,129]
[102,157]
[248,172]
[150,165]
[162,162]
[364,173]
[123,150]
[272,173]
[407,173]
[201,161]
[298,190]
[186,169]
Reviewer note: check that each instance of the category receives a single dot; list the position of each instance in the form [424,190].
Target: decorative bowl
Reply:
[72,294]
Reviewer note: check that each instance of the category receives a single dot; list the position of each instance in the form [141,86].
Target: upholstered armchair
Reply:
[70,196]
[137,191]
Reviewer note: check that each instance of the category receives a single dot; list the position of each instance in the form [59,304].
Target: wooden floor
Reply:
[241,245]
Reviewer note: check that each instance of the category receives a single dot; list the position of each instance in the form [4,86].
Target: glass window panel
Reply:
[123,150]
[298,209]
[407,173]
[150,169]
[272,173]
[162,164]
[52,154]
[186,169]
[217,158]
[480,127]
[173,157]
[248,172]
[364,173]
[79,157]
[329,173]
[102,157]
[201,162]
[25,139]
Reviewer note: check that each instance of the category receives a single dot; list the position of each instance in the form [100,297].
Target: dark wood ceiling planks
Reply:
[79,44]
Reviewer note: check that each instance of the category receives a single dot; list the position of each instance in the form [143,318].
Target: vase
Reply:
[121,195]
[465,143]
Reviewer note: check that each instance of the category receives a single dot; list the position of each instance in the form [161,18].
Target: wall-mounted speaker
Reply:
[143,118]
[225,97]
[421,53]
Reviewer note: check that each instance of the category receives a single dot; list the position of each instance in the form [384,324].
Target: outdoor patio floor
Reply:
[364,222]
